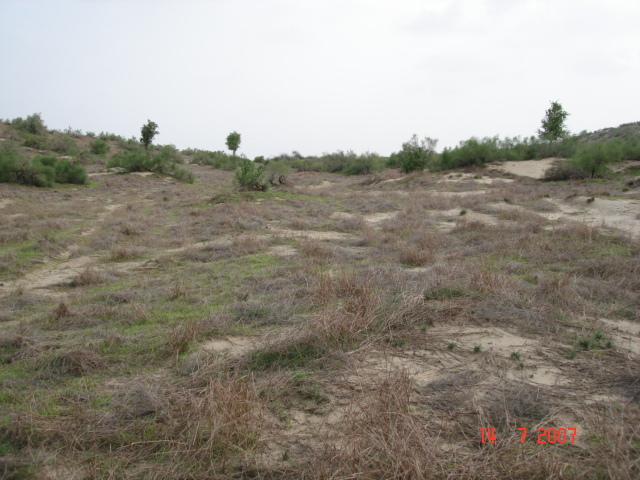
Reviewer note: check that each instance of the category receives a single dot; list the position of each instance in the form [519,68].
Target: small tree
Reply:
[233,142]
[148,131]
[553,127]
[416,153]
[248,177]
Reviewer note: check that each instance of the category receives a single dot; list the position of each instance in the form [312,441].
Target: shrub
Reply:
[33,124]
[59,170]
[99,147]
[277,172]
[138,161]
[109,136]
[364,164]
[469,153]
[14,169]
[565,170]
[248,177]
[416,154]
[38,142]
[593,158]
[131,161]
[9,164]
[70,172]
[218,160]
[62,144]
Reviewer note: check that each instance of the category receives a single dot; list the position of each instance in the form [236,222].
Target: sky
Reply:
[318,76]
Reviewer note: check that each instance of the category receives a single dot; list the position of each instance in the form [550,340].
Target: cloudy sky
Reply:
[319,75]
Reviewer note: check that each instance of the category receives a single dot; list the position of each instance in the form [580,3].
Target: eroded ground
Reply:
[338,327]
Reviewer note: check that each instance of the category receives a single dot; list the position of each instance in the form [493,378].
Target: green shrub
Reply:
[162,163]
[248,177]
[131,161]
[60,170]
[364,164]
[63,144]
[68,172]
[14,169]
[99,147]
[218,160]
[170,153]
[38,142]
[110,136]
[472,152]
[416,154]
[9,164]
[593,158]
[33,124]
[565,170]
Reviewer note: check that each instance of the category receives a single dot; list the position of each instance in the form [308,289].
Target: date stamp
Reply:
[545,435]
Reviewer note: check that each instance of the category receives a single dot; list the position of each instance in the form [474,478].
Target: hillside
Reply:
[626,131]
[405,326]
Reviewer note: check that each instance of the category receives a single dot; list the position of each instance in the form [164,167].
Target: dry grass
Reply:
[88,276]
[343,363]
[383,437]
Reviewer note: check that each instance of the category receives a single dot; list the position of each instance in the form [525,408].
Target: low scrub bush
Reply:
[218,160]
[565,170]
[162,163]
[364,164]
[248,177]
[63,144]
[99,147]
[472,152]
[40,172]
[33,124]
[593,158]
[416,154]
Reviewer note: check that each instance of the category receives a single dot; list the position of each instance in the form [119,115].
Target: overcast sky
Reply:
[319,75]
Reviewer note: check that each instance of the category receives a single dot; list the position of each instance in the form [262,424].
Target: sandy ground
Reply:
[620,213]
[525,168]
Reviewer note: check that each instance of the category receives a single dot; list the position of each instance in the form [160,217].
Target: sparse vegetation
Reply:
[248,177]
[329,327]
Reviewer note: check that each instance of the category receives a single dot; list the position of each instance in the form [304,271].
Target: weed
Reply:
[477,348]
[452,345]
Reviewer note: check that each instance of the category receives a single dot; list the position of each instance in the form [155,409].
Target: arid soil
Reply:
[332,328]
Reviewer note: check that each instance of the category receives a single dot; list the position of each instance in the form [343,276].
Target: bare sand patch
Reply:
[490,338]
[421,370]
[526,168]
[458,194]
[231,346]
[142,174]
[373,218]
[621,213]
[547,375]
[323,184]
[283,250]
[469,216]
[50,275]
[626,334]
[313,234]
[464,177]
